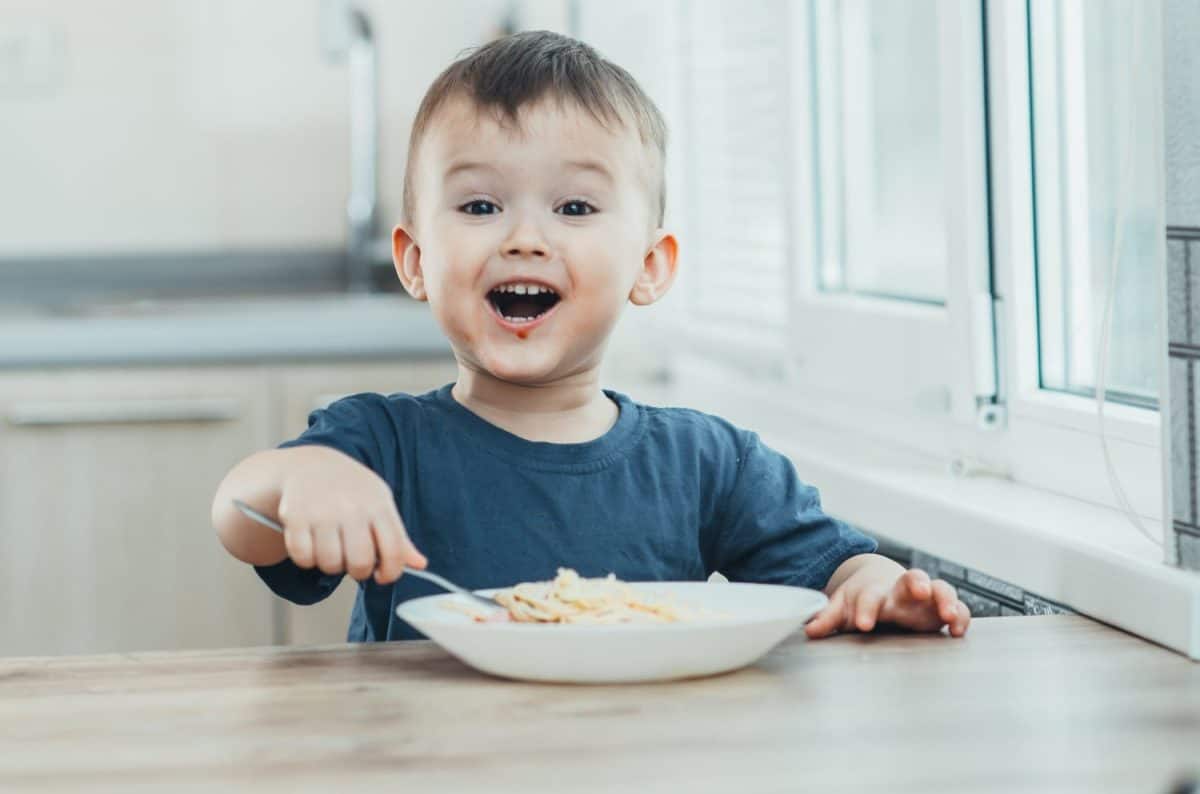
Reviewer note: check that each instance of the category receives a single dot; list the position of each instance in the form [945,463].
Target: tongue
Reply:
[524,308]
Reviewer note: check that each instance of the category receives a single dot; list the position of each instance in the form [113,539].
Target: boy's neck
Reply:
[571,411]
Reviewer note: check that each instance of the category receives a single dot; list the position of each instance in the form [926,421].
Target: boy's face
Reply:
[558,202]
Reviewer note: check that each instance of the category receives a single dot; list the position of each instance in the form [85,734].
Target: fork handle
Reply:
[446,584]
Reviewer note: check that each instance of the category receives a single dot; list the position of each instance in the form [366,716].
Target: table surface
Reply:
[1056,703]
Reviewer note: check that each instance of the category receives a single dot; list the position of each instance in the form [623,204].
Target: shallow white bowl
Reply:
[754,618]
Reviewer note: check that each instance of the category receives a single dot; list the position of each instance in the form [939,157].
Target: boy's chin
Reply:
[523,363]
[523,372]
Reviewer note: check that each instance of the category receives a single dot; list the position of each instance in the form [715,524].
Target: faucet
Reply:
[347,34]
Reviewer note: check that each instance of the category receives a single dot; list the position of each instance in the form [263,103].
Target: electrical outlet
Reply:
[31,58]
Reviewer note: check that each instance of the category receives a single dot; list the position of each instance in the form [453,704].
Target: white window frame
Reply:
[915,380]
[1052,440]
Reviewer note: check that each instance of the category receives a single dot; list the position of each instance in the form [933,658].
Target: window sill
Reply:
[1085,556]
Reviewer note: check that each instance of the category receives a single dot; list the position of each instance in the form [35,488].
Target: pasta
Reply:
[570,598]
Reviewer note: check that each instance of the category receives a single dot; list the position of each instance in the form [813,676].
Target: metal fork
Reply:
[429,576]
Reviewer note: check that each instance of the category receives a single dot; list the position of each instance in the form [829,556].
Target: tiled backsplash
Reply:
[1183,271]
[1182,121]
[986,595]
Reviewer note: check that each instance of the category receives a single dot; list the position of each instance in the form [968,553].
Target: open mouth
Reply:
[522,303]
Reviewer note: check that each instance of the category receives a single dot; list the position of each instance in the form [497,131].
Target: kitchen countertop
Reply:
[1057,703]
[220,330]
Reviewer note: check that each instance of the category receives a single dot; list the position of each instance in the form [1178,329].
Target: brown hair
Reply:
[519,70]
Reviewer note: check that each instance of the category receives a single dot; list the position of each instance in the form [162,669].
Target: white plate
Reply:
[753,619]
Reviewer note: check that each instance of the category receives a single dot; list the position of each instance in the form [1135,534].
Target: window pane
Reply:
[1092,76]
[879,148]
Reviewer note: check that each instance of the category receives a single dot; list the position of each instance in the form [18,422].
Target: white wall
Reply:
[202,124]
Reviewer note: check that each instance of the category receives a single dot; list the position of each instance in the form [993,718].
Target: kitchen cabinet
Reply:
[106,478]
[315,387]
[106,482]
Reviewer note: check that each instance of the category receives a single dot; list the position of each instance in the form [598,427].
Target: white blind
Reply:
[736,160]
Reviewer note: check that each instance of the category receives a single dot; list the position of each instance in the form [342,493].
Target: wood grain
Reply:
[1056,703]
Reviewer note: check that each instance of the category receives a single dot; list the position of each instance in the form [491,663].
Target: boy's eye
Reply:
[576,208]
[479,207]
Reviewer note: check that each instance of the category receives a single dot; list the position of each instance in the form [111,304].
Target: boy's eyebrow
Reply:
[595,166]
[467,165]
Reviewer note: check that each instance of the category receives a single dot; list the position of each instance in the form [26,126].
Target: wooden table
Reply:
[1058,704]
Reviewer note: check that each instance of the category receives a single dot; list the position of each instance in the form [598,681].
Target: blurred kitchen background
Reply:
[898,219]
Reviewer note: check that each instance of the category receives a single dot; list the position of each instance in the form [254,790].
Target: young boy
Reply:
[533,202]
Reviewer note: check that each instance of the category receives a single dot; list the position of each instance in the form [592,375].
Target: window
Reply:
[831,203]
[878,113]
[889,228]
[1052,239]
[1095,186]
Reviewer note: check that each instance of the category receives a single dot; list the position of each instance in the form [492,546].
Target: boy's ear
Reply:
[406,255]
[658,271]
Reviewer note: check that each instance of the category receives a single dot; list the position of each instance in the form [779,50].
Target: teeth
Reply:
[524,289]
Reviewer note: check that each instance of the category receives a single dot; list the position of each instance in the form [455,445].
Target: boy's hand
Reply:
[883,592]
[340,516]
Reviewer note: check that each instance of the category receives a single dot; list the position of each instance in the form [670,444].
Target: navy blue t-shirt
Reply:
[666,494]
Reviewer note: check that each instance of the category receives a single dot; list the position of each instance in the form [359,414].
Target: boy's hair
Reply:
[519,70]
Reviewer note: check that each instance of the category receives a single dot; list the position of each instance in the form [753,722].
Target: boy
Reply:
[533,202]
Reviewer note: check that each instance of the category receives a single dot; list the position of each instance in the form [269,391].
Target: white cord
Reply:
[1106,324]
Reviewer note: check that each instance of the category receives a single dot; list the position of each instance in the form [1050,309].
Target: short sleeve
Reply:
[772,528]
[349,426]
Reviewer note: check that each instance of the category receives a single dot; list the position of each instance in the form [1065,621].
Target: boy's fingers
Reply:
[408,552]
[917,583]
[359,547]
[299,543]
[391,564]
[945,599]
[327,543]
[819,626]
[866,610]
[962,619]
[827,620]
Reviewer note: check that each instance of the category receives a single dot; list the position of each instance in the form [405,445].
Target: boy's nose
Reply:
[525,241]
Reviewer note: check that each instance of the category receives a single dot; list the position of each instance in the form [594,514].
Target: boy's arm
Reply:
[774,530]
[257,482]
[771,527]
[337,514]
